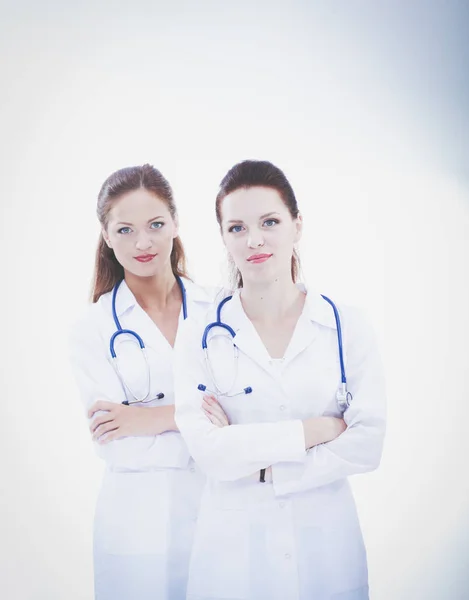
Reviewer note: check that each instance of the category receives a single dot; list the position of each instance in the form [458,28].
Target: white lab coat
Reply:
[296,537]
[148,503]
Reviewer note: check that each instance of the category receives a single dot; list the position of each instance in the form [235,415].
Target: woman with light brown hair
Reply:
[122,353]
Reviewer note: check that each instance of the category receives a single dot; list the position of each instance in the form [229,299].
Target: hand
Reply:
[320,430]
[335,427]
[118,421]
[214,411]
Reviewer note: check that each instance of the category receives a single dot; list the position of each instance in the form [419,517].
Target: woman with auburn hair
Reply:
[122,355]
[280,398]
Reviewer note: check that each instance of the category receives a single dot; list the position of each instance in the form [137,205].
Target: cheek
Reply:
[123,246]
[163,241]
[117,243]
[166,237]
[233,244]
[284,239]
[121,252]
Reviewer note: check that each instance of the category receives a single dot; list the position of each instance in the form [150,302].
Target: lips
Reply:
[144,258]
[259,258]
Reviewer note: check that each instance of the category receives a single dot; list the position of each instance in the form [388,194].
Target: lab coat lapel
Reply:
[246,339]
[303,336]
[316,313]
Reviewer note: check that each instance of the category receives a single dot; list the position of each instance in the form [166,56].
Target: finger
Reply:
[219,412]
[110,436]
[97,421]
[214,419]
[217,415]
[211,401]
[100,405]
[105,428]
[224,420]
[210,398]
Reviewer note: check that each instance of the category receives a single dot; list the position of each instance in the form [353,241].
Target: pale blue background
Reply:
[365,107]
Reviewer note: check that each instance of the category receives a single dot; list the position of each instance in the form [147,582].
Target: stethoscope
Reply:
[343,396]
[127,389]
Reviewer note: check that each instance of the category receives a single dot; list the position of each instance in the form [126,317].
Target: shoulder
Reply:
[353,316]
[355,325]
[201,294]
[209,299]
[355,319]
[328,310]
[203,300]
[358,331]
[89,320]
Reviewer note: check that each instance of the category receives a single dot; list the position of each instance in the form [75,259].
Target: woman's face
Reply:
[140,230]
[259,233]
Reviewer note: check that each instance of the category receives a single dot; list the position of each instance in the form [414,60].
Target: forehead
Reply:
[243,204]
[136,205]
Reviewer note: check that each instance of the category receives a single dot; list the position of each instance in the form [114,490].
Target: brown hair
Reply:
[259,173]
[108,271]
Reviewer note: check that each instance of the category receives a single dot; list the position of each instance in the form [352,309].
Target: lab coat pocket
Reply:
[346,561]
[311,562]
[220,557]
[132,514]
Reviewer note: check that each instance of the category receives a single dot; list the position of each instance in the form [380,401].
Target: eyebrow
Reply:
[149,221]
[260,218]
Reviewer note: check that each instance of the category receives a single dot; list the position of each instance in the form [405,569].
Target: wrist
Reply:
[165,419]
[318,430]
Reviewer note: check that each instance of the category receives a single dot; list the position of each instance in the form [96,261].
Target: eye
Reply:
[235,228]
[156,225]
[124,230]
[271,222]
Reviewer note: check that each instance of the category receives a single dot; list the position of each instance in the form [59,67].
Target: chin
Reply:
[262,277]
[144,270]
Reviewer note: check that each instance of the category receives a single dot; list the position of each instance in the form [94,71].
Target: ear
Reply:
[299,228]
[106,237]
[176,227]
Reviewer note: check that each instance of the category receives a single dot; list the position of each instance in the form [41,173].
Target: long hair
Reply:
[108,271]
[258,173]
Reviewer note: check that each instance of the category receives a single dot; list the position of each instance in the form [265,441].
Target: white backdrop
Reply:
[358,105]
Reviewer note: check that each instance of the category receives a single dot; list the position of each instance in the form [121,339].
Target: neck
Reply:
[153,292]
[269,301]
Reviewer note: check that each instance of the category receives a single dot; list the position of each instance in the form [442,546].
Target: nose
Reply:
[143,241]
[255,239]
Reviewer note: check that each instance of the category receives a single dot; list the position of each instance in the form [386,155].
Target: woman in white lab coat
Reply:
[277,519]
[148,502]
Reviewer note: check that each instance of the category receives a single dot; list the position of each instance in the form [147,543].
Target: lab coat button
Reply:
[282,407]
[192,469]
[287,555]
[282,504]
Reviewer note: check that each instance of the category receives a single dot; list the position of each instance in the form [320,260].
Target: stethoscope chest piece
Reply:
[344,399]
